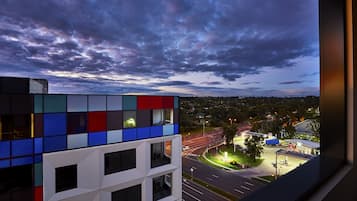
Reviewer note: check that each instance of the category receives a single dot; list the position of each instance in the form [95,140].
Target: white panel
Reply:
[77,103]
[114,103]
[97,103]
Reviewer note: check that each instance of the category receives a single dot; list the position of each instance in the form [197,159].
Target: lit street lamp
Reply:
[231,120]
[192,169]
[203,126]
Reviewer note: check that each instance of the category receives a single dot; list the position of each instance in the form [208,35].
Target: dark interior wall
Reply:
[346,189]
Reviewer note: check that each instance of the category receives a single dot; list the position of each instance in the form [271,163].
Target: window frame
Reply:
[335,89]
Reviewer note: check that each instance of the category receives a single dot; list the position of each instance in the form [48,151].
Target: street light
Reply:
[192,169]
[203,126]
[231,120]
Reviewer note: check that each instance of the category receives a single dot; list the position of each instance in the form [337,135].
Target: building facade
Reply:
[89,147]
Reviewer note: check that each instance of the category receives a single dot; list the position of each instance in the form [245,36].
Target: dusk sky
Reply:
[186,48]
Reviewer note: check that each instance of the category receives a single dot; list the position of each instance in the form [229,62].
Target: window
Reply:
[335,158]
[128,194]
[119,161]
[161,186]
[160,154]
[66,178]
[76,122]
[16,183]
[129,118]
[162,116]
[15,126]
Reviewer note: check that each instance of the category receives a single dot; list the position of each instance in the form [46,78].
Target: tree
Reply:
[254,146]
[229,131]
[290,130]
[315,127]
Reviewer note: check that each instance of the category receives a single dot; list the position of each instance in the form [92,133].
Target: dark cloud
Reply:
[291,82]
[309,74]
[173,83]
[212,83]
[248,83]
[157,38]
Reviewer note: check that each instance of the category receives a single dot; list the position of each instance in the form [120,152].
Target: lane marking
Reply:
[215,176]
[196,190]
[190,195]
[209,178]
[239,191]
[250,184]
[244,187]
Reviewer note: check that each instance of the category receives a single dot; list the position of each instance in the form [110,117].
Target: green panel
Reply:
[38,174]
[38,103]
[176,102]
[129,102]
[54,103]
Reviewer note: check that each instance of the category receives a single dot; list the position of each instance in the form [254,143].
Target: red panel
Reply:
[156,102]
[143,102]
[38,196]
[97,121]
[168,102]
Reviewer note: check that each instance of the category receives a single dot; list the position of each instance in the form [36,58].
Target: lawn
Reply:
[234,160]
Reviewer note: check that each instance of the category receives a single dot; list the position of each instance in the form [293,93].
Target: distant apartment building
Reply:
[87,147]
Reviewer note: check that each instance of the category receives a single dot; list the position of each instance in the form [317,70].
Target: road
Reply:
[193,192]
[196,145]
[225,180]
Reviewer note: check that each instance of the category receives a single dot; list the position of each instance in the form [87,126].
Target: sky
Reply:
[164,47]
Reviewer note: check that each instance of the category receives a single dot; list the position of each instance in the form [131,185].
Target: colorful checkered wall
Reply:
[62,122]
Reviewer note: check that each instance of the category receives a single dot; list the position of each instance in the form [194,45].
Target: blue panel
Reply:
[4,163]
[38,103]
[176,129]
[97,138]
[156,131]
[38,158]
[5,149]
[21,161]
[129,102]
[54,103]
[54,124]
[115,136]
[129,134]
[168,129]
[22,147]
[38,174]
[176,102]
[38,145]
[143,133]
[56,143]
[77,141]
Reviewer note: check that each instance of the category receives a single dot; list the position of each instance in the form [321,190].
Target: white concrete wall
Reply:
[93,185]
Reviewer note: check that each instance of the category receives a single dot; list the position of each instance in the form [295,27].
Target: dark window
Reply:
[114,120]
[14,127]
[16,183]
[144,118]
[77,122]
[66,178]
[160,154]
[128,194]
[161,187]
[119,161]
